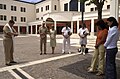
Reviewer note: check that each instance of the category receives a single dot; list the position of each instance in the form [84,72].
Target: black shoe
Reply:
[13,62]
[99,74]
[8,64]
[45,53]
[40,53]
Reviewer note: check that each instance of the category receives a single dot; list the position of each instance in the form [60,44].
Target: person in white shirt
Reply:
[111,48]
[66,32]
[83,32]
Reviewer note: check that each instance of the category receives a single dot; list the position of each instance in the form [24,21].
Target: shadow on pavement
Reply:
[80,69]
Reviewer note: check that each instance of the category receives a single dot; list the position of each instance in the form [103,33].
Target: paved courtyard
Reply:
[32,65]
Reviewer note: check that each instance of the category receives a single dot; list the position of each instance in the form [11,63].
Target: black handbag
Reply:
[86,50]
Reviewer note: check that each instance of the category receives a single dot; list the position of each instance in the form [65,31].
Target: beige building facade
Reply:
[29,17]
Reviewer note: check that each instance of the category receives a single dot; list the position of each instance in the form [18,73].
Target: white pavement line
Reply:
[25,74]
[36,62]
[1,39]
[14,74]
[48,59]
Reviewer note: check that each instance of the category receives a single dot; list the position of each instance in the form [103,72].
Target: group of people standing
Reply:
[43,31]
[106,42]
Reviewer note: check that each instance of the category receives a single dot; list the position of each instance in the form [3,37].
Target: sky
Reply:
[33,1]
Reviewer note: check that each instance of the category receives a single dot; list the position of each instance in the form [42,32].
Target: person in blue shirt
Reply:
[111,48]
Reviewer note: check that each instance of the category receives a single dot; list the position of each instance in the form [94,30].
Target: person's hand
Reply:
[82,37]
[96,46]
[15,34]
[66,37]
[105,47]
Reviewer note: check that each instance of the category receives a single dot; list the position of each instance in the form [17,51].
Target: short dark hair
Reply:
[101,24]
[11,21]
[112,19]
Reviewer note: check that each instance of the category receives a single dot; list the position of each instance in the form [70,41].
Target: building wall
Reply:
[58,15]
[43,4]
[62,2]
[29,14]
[53,3]
[88,7]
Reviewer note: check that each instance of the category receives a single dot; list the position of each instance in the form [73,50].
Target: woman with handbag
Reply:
[83,32]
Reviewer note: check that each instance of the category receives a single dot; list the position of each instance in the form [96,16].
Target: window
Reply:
[73,5]
[14,18]
[3,6]
[13,8]
[37,18]
[47,7]
[66,7]
[41,9]
[3,17]
[23,9]
[108,6]
[96,8]
[92,9]
[37,10]
[55,7]
[42,18]
[23,19]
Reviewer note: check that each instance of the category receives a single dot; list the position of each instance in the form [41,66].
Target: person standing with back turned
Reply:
[111,48]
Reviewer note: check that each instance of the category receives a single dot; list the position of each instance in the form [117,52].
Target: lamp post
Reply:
[82,9]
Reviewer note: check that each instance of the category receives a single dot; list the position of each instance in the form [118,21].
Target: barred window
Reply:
[3,6]
[13,8]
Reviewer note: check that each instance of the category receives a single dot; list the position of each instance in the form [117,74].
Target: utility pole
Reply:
[82,9]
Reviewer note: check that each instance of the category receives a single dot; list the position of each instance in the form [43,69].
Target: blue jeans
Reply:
[110,72]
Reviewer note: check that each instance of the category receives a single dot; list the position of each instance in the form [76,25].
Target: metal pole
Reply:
[82,7]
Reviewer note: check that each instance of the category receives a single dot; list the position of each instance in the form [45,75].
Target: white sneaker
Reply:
[83,53]
[69,52]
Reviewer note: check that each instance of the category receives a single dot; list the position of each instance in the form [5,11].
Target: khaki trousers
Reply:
[43,42]
[98,59]
[8,49]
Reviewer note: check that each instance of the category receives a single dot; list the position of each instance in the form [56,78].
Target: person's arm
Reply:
[79,31]
[63,32]
[102,40]
[87,32]
[15,32]
[109,37]
[40,31]
[7,30]
[70,32]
